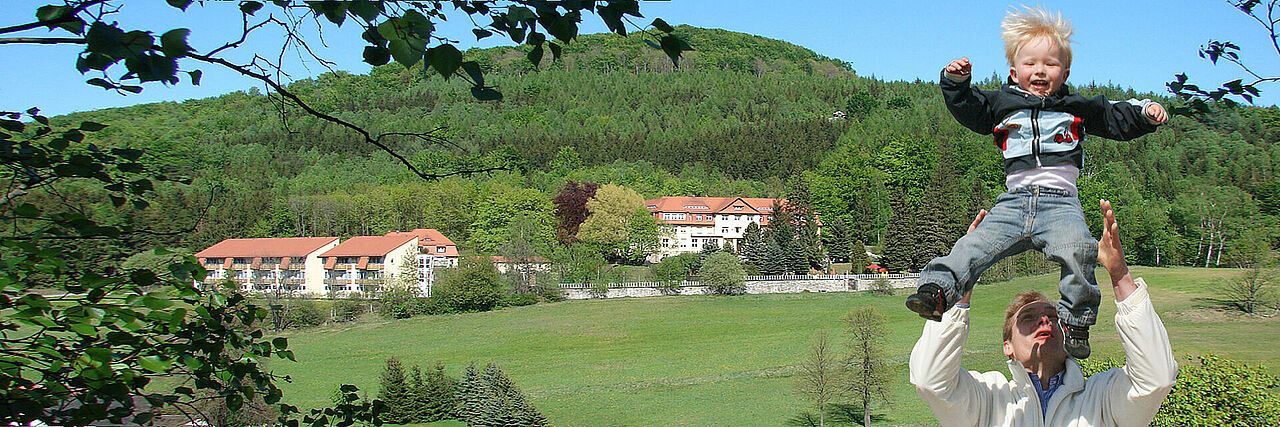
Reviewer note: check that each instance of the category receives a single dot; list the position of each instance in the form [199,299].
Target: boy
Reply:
[1039,125]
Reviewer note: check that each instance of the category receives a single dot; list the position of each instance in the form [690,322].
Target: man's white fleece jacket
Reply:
[1125,396]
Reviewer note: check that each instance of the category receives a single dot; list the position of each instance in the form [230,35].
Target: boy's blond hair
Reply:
[1032,22]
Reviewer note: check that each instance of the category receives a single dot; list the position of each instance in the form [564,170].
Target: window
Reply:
[737,208]
[375,260]
[697,217]
[271,260]
[212,261]
[241,260]
[737,229]
[673,216]
[724,229]
[439,249]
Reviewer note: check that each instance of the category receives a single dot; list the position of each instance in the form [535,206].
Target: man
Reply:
[1048,388]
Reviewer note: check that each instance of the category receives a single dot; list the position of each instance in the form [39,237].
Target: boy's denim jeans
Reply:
[1047,220]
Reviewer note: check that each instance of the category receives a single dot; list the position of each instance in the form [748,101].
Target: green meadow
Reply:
[720,360]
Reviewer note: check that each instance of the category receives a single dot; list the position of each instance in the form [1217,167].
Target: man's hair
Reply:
[1020,300]
[1018,28]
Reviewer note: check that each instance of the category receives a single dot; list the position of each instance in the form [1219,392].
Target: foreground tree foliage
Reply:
[87,352]
[1212,391]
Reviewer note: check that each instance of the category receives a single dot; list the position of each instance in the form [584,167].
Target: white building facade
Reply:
[695,221]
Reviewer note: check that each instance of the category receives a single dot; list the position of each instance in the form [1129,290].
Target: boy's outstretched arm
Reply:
[968,105]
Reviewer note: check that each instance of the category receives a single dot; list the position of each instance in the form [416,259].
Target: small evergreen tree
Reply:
[435,394]
[835,239]
[395,393]
[470,396]
[754,248]
[858,259]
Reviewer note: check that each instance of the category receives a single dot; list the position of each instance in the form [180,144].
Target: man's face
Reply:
[1038,67]
[1036,337]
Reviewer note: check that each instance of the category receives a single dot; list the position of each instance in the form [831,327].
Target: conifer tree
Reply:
[470,396]
[900,239]
[395,393]
[753,247]
[835,239]
[858,259]
[436,395]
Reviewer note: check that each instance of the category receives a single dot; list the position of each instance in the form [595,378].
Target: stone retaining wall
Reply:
[798,284]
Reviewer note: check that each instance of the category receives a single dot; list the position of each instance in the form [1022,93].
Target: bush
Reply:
[517,300]
[881,286]
[492,399]
[1212,391]
[472,287]
[348,309]
[305,313]
[723,274]
[399,302]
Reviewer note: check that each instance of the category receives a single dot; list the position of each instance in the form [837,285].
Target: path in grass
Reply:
[714,360]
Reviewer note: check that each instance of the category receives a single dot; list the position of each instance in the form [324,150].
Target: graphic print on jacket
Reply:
[1037,138]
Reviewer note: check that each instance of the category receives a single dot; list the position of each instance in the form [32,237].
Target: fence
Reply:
[754,285]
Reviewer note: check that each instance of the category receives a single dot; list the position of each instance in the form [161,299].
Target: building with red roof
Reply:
[365,263]
[269,264]
[438,250]
[696,221]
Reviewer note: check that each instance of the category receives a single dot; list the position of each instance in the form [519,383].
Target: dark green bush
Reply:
[1212,391]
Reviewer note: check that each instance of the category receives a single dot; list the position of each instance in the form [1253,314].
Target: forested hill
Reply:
[741,116]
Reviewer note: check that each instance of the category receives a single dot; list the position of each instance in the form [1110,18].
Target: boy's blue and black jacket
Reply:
[1034,131]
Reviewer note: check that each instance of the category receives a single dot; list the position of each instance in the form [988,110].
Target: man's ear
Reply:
[1008,349]
[1065,74]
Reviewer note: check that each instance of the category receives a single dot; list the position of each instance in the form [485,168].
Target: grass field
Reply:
[719,360]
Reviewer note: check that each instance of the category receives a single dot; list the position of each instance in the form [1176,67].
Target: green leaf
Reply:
[12,125]
[662,25]
[555,50]
[480,34]
[156,303]
[101,355]
[51,12]
[366,10]
[154,363]
[445,59]
[174,43]
[375,55]
[195,77]
[180,4]
[472,68]
[334,11]
[404,53]
[91,126]
[249,7]
[535,55]
[84,329]
[280,343]
[486,94]
[672,46]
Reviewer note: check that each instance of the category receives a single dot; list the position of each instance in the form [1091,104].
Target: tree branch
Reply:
[368,138]
[69,17]
[41,40]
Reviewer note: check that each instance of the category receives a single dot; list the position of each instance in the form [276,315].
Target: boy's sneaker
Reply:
[928,301]
[1076,340]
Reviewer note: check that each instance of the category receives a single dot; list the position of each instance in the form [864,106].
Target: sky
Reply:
[1137,44]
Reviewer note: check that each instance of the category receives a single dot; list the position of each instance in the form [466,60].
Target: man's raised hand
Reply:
[1111,255]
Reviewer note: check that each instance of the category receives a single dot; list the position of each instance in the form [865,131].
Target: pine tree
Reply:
[858,259]
[395,393]
[470,396]
[835,239]
[753,247]
[436,395]
[900,239]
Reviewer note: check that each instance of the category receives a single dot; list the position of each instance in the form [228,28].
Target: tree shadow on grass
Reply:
[837,414]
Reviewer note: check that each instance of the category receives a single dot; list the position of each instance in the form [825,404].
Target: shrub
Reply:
[1212,391]
[472,287]
[723,274]
[348,309]
[881,286]
[399,302]
[517,300]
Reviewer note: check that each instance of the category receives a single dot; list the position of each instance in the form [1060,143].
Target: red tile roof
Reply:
[429,238]
[368,246]
[711,206]
[269,247]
